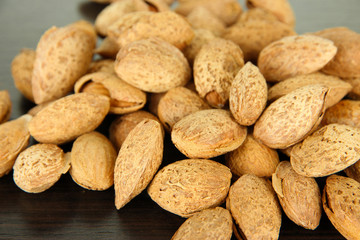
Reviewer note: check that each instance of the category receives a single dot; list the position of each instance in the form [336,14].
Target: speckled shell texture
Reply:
[92,161]
[191,185]
[345,112]
[209,224]
[14,137]
[254,207]
[178,103]
[138,160]
[69,117]
[21,70]
[337,88]
[62,56]
[252,157]
[215,67]
[248,95]
[124,98]
[39,167]
[152,65]
[328,150]
[5,106]
[346,63]
[295,55]
[292,117]
[341,202]
[207,133]
[299,196]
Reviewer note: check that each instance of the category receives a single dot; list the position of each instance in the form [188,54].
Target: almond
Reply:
[353,171]
[108,48]
[5,106]
[102,65]
[344,112]
[207,133]
[189,186]
[39,167]
[355,91]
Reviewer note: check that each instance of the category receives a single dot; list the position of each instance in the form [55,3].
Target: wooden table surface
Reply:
[67,211]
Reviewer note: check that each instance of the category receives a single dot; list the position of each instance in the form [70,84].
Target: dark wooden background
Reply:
[67,211]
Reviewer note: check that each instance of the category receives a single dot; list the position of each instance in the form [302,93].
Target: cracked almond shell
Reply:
[299,196]
[138,160]
[292,117]
[207,133]
[328,150]
[39,167]
[188,186]
[341,202]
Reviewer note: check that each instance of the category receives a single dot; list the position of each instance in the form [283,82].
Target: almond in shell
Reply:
[341,202]
[138,160]
[188,186]
[345,112]
[102,65]
[212,223]
[92,161]
[108,48]
[353,171]
[299,196]
[5,106]
[328,150]
[207,133]
[39,167]
[355,91]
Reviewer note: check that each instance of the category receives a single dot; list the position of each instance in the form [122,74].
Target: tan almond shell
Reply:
[353,171]
[248,95]
[299,196]
[69,117]
[215,67]
[295,55]
[341,202]
[207,133]
[289,119]
[62,56]
[337,88]
[167,25]
[152,65]
[114,12]
[254,207]
[121,126]
[253,35]
[92,161]
[355,91]
[14,137]
[252,157]
[138,161]
[345,112]
[102,65]
[346,63]
[189,186]
[124,98]
[328,150]
[108,48]
[202,18]
[227,11]
[212,223]
[178,103]
[39,167]
[21,70]
[201,37]
[154,100]
[5,106]
[280,8]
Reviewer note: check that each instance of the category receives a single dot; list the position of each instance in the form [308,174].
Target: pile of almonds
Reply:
[221,81]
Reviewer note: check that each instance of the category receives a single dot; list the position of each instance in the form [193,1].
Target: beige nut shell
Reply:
[295,55]
[92,161]
[189,186]
[212,223]
[39,167]
[292,117]
[328,150]
[69,117]
[299,196]
[207,133]
[138,161]
[344,112]
[254,208]
[152,65]
[215,67]
[341,197]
